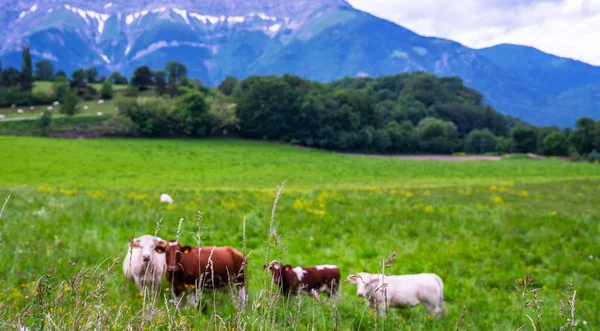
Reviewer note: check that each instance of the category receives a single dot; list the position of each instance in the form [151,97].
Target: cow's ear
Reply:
[352,279]
[374,281]
[159,249]
[134,244]
[287,268]
[186,249]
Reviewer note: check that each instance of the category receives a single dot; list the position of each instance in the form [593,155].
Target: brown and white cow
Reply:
[203,268]
[323,278]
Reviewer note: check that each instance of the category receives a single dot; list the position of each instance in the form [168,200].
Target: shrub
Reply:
[120,126]
[153,117]
[194,111]
[44,122]
[107,90]
[481,141]
[593,157]
[68,103]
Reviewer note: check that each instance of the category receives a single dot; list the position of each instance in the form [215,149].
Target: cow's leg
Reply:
[242,296]
[139,284]
[380,309]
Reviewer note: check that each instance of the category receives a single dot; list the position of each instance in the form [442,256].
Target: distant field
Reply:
[108,107]
[479,225]
[47,86]
[237,164]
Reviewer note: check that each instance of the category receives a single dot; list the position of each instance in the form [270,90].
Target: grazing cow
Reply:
[204,268]
[400,291]
[143,265]
[324,278]
[165,198]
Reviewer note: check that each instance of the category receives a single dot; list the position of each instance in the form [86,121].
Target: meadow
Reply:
[481,226]
[108,107]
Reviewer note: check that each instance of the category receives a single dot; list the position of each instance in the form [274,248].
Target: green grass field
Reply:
[480,226]
[108,107]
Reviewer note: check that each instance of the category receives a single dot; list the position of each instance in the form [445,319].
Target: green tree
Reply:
[60,86]
[554,144]
[160,81]
[44,70]
[91,74]
[44,122]
[117,78]
[176,70]
[60,73]
[142,78]
[10,77]
[481,141]
[195,111]
[26,80]
[107,90]
[78,78]
[228,85]
[68,103]
[382,141]
[524,139]
[437,136]
[222,115]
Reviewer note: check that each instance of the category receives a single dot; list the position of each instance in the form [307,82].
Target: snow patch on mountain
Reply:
[205,18]
[163,44]
[108,5]
[182,13]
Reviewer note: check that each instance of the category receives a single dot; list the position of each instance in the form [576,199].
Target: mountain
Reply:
[321,40]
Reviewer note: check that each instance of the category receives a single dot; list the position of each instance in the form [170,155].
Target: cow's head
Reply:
[366,284]
[146,245]
[277,268]
[173,251]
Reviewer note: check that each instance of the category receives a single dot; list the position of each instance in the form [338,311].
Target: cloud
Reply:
[567,28]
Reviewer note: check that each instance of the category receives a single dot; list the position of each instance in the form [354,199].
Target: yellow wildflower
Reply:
[408,194]
[553,213]
[524,193]
[493,188]
[497,199]
[427,193]
[429,209]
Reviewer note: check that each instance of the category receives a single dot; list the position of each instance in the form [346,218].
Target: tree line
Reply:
[410,113]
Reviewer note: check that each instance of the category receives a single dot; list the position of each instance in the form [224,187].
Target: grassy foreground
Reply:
[480,226]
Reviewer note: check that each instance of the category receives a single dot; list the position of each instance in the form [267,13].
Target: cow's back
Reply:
[209,262]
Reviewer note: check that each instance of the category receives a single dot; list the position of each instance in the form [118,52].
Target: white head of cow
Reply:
[366,283]
[145,246]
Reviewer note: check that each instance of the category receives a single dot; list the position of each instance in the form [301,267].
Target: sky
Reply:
[567,28]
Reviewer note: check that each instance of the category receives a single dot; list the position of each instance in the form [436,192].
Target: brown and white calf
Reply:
[400,291]
[203,268]
[323,278]
[143,265]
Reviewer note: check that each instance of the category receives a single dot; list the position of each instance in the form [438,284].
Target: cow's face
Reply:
[277,268]
[146,245]
[366,284]
[173,251]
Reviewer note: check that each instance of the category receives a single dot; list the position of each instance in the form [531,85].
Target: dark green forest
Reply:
[408,113]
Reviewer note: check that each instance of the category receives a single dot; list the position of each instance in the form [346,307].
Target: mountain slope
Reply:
[320,40]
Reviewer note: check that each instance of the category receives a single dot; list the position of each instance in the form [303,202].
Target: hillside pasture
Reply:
[481,226]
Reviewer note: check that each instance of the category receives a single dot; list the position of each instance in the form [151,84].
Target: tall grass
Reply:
[79,302]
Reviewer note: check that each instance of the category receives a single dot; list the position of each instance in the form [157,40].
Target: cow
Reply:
[143,265]
[312,280]
[204,268]
[404,291]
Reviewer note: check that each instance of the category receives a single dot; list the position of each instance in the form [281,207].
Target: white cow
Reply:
[165,198]
[400,291]
[143,264]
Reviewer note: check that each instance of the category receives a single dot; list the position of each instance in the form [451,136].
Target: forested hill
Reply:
[405,113]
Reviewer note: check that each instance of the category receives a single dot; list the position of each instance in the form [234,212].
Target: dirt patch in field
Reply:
[78,134]
[469,158]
